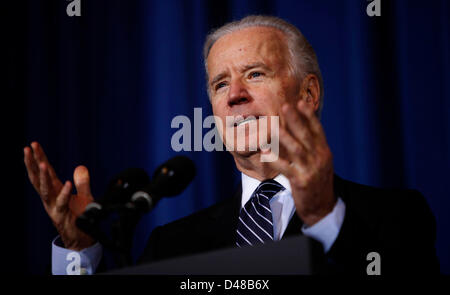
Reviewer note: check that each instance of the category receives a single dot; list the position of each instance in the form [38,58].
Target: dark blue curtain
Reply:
[101,90]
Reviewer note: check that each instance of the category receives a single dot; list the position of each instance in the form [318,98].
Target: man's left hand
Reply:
[307,162]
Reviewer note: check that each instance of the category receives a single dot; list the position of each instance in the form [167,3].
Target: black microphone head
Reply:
[123,185]
[172,177]
[119,192]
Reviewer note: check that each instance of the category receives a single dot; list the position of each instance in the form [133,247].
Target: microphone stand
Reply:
[122,231]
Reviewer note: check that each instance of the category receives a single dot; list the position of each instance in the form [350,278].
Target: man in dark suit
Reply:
[397,224]
[261,68]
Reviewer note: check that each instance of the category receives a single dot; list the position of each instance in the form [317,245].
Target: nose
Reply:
[238,94]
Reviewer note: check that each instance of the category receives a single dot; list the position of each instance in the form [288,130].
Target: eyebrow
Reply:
[242,69]
[254,65]
[218,78]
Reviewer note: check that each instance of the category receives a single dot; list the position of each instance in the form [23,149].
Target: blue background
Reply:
[101,90]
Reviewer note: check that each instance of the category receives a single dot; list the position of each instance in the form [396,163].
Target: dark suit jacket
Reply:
[397,224]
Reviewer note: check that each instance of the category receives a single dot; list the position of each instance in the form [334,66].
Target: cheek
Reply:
[273,98]
[219,113]
[282,88]
[267,94]
[290,91]
[217,108]
[275,101]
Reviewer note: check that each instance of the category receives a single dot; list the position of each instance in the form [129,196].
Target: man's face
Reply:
[249,76]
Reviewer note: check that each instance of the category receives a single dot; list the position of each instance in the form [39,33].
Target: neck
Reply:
[252,166]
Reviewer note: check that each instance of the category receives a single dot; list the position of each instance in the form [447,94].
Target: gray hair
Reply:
[303,59]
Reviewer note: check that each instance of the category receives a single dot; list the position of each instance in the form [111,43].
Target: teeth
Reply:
[245,121]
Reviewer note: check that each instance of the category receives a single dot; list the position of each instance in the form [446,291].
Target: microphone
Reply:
[133,192]
[123,185]
[168,180]
[118,191]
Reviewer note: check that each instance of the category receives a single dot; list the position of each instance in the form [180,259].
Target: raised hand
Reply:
[62,207]
[307,163]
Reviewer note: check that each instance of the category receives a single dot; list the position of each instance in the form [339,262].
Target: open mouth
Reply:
[242,121]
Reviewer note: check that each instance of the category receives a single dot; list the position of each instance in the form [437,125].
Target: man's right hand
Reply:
[62,206]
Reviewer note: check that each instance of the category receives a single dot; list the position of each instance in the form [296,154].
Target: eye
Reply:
[220,85]
[255,75]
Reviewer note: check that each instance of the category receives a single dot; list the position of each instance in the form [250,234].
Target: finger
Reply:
[44,182]
[40,156]
[82,181]
[62,200]
[307,111]
[285,167]
[296,152]
[298,126]
[30,163]
[38,152]
[32,168]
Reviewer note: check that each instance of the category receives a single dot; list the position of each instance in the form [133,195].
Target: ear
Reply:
[310,90]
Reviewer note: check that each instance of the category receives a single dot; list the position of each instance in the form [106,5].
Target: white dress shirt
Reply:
[282,205]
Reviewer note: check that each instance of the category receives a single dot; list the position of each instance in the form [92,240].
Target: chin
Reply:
[245,154]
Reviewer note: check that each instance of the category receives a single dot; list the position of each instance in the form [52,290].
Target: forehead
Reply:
[249,45]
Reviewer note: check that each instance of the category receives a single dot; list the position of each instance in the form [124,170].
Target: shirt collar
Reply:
[249,185]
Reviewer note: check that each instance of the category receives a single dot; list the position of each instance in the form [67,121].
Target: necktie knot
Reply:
[268,188]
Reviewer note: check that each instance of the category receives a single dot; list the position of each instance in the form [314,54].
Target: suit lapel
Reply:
[224,220]
[294,226]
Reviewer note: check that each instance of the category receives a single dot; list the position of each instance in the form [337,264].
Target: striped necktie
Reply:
[255,225]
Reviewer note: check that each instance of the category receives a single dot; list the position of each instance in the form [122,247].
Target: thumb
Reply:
[82,181]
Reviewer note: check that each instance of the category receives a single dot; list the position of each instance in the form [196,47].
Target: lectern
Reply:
[292,256]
